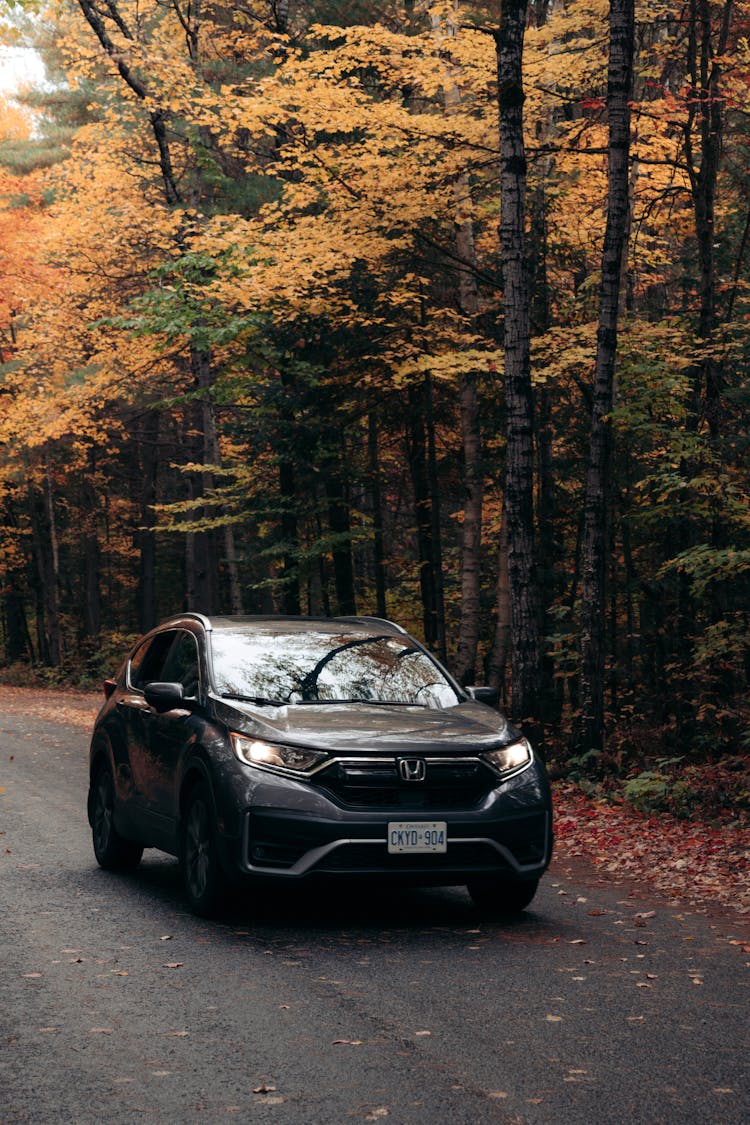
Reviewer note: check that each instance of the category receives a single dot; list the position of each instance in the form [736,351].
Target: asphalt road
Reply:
[118,1006]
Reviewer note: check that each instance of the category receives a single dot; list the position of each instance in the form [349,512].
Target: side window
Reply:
[147,662]
[181,665]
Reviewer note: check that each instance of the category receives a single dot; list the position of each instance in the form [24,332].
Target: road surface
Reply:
[405,1007]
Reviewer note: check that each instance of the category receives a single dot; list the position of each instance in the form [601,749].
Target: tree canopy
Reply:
[255,322]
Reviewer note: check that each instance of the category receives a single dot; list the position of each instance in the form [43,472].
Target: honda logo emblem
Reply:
[412,769]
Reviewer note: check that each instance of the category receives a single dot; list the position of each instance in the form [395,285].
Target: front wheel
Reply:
[202,873]
[113,852]
[502,896]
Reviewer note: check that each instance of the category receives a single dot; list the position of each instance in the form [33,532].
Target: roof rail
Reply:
[192,615]
[371,621]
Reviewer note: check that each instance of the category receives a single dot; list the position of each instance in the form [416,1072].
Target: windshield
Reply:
[311,667]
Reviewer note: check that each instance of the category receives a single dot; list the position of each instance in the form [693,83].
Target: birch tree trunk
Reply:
[590,727]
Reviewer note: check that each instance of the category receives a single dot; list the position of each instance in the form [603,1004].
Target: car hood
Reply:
[367,727]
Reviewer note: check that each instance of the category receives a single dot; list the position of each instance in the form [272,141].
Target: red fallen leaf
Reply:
[597,913]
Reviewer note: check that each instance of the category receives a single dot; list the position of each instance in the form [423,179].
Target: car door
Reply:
[169,732]
[136,716]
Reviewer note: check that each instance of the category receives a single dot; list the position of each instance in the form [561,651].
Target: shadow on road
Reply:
[271,911]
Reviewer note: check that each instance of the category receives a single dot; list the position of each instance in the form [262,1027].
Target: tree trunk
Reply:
[147,459]
[437,535]
[519,476]
[376,504]
[206,555]
[44,537]
[340,526]
[444,30]
[590,727]
[417,457]
[498,662]
[17,640]
[705,74]
[92,557]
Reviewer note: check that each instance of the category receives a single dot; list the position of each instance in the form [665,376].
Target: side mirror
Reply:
[487,695]
[164,696]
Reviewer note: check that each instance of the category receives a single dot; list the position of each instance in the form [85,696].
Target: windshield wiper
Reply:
[259,699]
[344,702]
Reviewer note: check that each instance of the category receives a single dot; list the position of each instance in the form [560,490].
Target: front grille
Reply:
[375,783]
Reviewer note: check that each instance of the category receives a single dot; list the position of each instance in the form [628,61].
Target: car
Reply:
[259,749]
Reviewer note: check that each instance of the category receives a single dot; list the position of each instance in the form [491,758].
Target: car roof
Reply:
[283,624]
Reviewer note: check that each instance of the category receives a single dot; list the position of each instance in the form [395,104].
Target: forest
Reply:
[432,311]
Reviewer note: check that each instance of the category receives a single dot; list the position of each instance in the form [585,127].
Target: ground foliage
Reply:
[706,863]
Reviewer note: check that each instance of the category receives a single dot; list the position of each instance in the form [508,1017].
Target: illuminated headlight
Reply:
[271,755]
[511,758]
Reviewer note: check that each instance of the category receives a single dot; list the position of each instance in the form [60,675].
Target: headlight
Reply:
[512,758]
[271,755]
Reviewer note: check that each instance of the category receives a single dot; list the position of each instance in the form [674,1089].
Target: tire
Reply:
[202,873]
[113,852]
[502,896]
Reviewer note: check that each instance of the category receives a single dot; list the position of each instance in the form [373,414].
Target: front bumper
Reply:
[280,842]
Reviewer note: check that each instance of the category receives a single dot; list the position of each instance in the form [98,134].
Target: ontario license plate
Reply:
[417,836]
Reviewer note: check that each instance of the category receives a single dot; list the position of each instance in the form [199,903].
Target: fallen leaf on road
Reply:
[173,965]
[264,1088]
[348,1042]
[378,1113]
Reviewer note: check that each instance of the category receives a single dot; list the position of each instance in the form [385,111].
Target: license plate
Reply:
[417,836]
